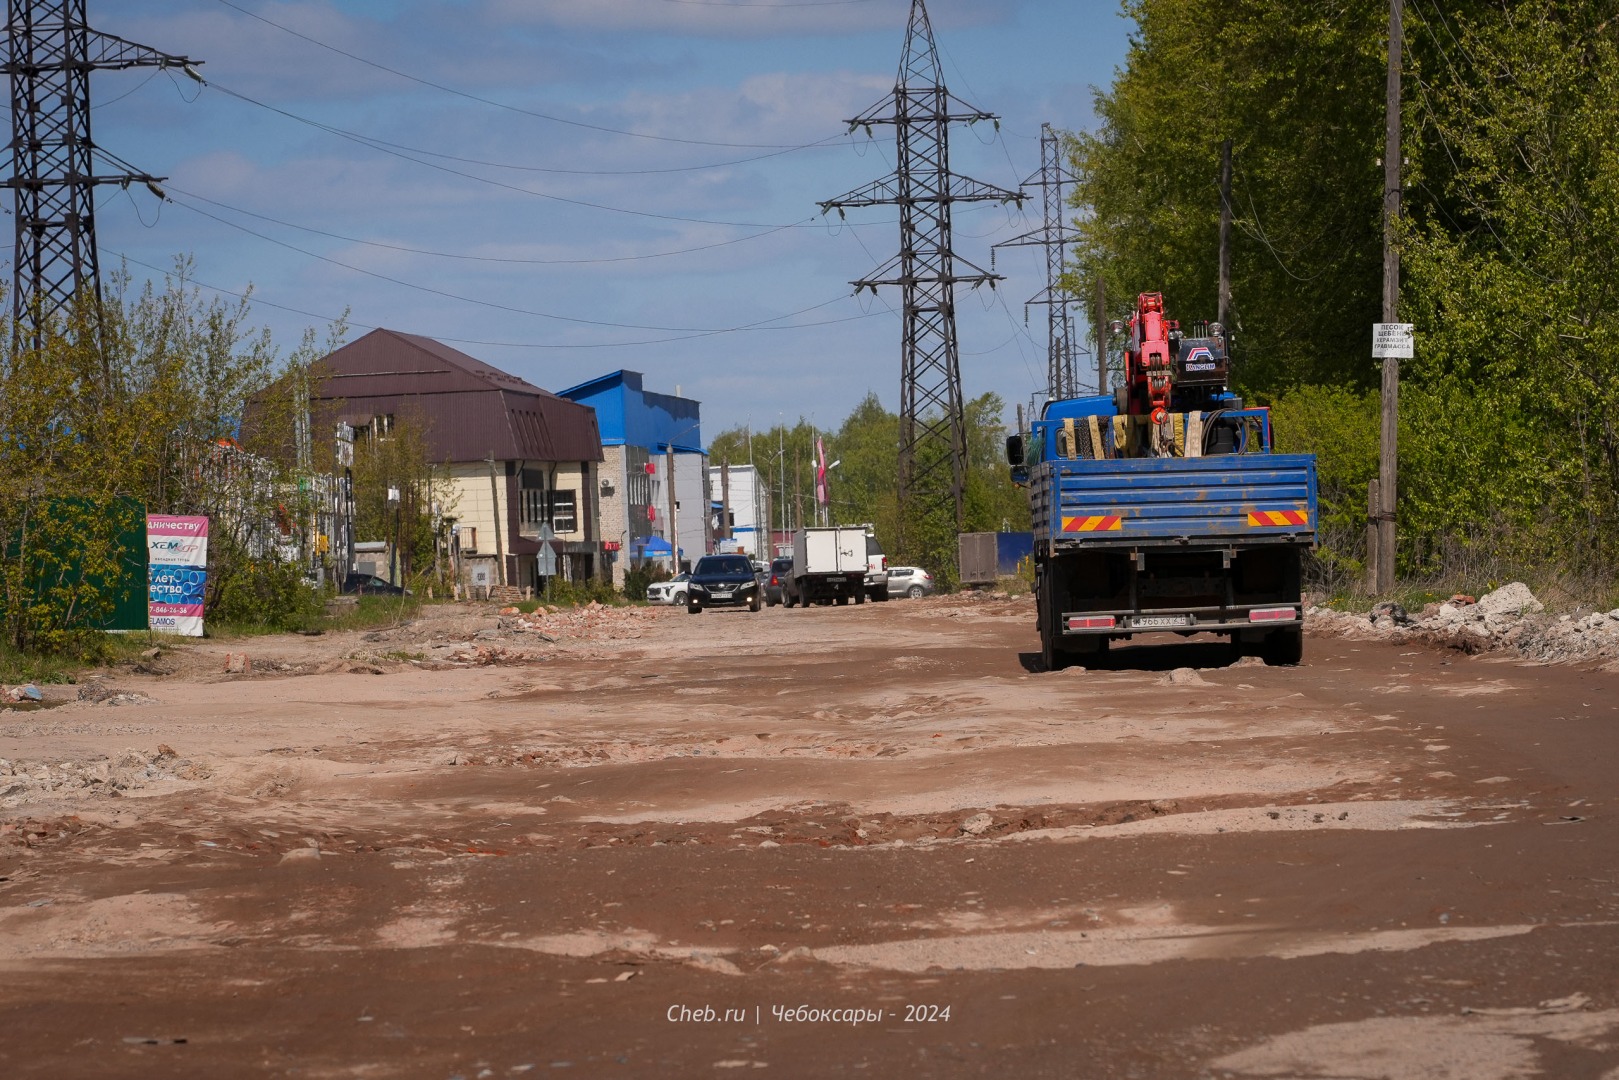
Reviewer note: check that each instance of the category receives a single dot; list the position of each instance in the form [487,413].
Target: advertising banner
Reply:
[177,549]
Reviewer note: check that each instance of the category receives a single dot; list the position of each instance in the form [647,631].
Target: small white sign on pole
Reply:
[1394,341]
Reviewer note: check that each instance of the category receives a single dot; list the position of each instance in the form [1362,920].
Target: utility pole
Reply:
[1053,235]
[674,530]
[1388,458]
[1099,326]
[1223,306]
[500,527]
[933,430]
[52,51]
[725,499]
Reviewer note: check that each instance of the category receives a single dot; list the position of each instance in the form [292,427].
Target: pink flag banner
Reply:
[820,472]
[177,557]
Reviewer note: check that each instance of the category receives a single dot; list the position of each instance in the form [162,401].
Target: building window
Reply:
[469,537]
[564,511]
[531,503]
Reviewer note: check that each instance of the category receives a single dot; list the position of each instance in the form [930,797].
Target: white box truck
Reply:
[829,565]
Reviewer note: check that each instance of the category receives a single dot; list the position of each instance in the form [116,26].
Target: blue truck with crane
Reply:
[1164,507]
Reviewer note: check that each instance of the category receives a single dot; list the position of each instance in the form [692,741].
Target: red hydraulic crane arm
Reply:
[1149,356]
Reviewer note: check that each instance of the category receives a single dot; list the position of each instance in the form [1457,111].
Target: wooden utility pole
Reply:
[1388,460]
[1374,505]
[500,526]
[1100,323]
[1224,305]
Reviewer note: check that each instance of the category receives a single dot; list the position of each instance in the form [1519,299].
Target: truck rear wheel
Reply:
[843,599]
[860,597]
[1282,648]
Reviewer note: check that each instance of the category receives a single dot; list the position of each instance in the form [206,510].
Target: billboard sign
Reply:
[177,557]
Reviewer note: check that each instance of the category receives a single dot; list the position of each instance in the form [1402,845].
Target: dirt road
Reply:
[865,841]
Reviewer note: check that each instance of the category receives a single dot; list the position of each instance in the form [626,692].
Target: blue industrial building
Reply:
[648,440]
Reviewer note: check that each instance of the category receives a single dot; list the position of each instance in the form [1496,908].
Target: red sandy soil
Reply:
[849,841]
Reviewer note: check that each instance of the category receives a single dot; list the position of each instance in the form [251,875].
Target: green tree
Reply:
[137,397]
[1297,89]
[399,461]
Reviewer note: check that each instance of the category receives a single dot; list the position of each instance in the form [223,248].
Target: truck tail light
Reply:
[1091,622]
[1273,614]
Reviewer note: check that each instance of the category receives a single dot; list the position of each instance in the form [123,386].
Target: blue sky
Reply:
[592,184]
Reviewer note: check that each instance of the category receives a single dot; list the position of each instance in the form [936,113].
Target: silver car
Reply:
[911,581]
[672,591]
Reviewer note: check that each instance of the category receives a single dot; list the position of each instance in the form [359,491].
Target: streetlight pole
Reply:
[781,465]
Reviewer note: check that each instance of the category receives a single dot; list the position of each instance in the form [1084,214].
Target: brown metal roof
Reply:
[471,410]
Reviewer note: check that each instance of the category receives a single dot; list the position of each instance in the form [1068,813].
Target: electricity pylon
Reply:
[51,52]
[933,440]
[1053,235]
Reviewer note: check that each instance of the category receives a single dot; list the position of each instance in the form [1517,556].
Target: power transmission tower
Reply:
[1053,235]
[933,440]
[52,51]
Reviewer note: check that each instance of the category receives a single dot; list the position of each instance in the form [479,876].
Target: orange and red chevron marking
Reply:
[1278,517]
[1099,523]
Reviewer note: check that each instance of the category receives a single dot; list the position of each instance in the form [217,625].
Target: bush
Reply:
[637,578]
[580,593]
[267,594]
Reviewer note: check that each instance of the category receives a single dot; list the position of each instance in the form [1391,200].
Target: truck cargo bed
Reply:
[1168,500]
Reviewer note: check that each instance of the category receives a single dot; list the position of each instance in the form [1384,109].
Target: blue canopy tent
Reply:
[652,547]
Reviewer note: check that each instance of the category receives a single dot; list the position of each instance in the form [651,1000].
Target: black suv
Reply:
[723,580]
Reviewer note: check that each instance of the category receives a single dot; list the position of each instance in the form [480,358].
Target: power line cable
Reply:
[509,344]
[172,190]
[373,140]
[695,330]
[135,89]
[807,223]
[498,104]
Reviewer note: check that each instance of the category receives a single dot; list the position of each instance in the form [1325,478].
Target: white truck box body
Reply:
[829,551]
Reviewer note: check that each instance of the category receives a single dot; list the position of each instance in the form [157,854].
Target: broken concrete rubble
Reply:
[1510,619]
[27,782]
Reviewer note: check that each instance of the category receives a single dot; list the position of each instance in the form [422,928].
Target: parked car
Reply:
[911,581]
[371,585]
[780,570]
[672,591]
[723,581]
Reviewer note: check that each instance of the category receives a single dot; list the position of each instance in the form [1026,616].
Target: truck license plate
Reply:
[1147,621]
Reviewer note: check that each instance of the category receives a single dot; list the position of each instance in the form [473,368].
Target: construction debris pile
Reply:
[593,621]
[23,782]
[1510,619]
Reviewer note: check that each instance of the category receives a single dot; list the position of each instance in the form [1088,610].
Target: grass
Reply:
[46,668]
[1559,592]
[372,612]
